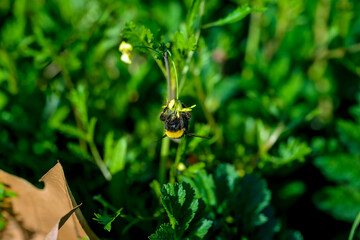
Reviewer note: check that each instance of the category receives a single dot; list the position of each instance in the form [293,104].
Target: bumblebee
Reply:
[176,119]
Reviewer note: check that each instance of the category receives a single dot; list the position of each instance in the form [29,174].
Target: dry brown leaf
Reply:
[53,234]
[37,211]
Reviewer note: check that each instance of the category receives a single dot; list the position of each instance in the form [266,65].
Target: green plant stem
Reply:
[99,162]
[272,139]
[165,145]
[179,154]
[176,75]
[354,227]
[158,62]
[70,86]
[168,77]
[252,43]
[191,53]
[148,48]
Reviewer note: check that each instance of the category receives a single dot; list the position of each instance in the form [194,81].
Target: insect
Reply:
[176,119]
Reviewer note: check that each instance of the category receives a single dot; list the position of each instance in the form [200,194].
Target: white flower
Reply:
[125,49]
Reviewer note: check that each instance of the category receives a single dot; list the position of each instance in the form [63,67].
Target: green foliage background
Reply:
[277,90]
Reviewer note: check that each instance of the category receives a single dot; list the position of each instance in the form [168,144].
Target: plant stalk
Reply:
[99,162]
[179,154]
[165,145]
[171,93]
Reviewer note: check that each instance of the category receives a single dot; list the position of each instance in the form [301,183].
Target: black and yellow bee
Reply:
[176,119]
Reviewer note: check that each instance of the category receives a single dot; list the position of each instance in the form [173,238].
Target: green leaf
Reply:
[193,18]
[91,129]
[292,189]
[164,232]
[293,150]
[349,133]
[192,170]
[119,156]
[341,168]
[79,152]
[181,44]
[243,203]
[78,98]
[137,35]
[106,220]
[180,203]
[3,99]
[235,16]
[108,147]
[251,197]
[72,131]
[342,202]
[354,227]
[204,186]
[184,211]
[115,153]
[155,186]
[225,177]
[59,116]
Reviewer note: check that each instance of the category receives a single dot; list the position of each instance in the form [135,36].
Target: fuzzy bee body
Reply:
[176,119]
[176,123]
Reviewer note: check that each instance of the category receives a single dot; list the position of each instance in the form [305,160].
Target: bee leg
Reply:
[193,135]
[160,138]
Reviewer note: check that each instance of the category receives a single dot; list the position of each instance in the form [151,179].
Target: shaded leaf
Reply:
[342,202]
[164,232]
[292,150]
[341,168]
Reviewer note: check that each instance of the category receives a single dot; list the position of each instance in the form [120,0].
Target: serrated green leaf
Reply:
[251,197]
[183,45]
[292,150]
[137,35]
[267,230]
[203,229]
[225,177]
[235,16]
[180,203]
[341,168]
[106,220]
[184,211]
[164,232]
[204,186]
[342,202]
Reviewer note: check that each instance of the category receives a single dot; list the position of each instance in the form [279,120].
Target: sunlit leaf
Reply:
[235,16]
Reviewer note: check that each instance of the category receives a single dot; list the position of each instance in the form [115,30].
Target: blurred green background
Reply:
[278,92]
